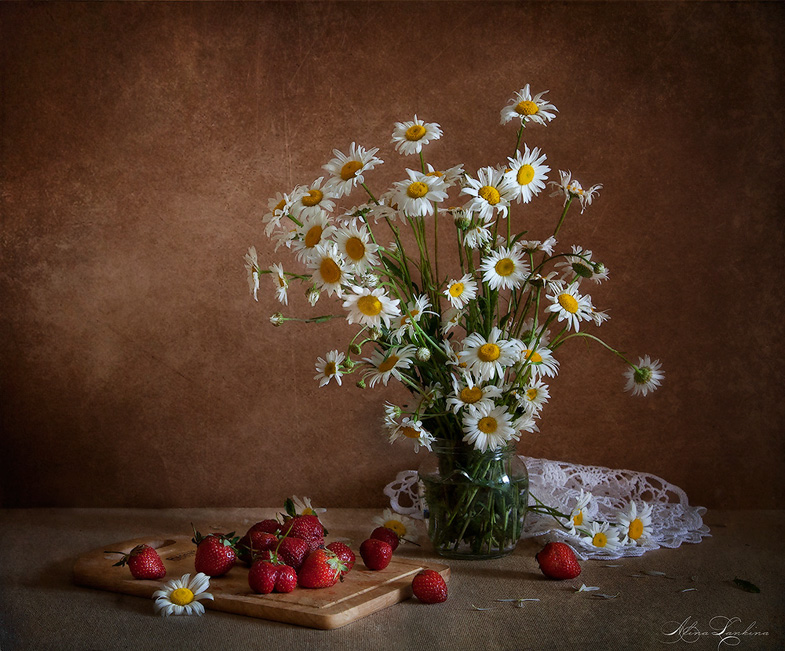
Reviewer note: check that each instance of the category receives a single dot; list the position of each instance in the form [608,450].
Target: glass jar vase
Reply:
[476,501]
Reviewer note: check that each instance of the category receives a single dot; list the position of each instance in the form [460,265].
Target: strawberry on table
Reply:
[429,587]
[262,576]
[321,569]
[215,553]
[558,561]
[376,554]
[344,552]
[286,580]
[387,535]
[143,561]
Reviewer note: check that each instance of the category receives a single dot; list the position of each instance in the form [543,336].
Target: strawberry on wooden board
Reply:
[262,576]
[215,553]
[252,543]
[344,552]
[293,551]
[286,580]
[306,527]
[558,561]
[268,526]
[143,561]
[376,554]
[429,587]
[387,535]
[321,569]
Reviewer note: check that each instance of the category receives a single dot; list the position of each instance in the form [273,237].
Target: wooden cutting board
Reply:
[361,593]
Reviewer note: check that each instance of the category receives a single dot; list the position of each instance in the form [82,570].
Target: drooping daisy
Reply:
[182,596]
[533,396]
[303,506]
[461,292]
[451,318]
[315,230]
[635,524]
[370,307]
[525,423]
[329,269]
[527,108]
[578,266]
[467,393]
[527,174]
[413,431]
[539,360]
[415,196]
[411,315]
[450,176]
[504,269]
[400,524]
[329,368]
[383,211]
[410,137]
[579,513]
[570,306]
[385,365]
[487,359]
[601,535]
[599,316]
[354,243]
[252,267]
[488,428]
[571,188]
[281,284]
[346,170]
[489,192]
[478,235]
[278,207]
[314,201]
[644,377]
[391,415]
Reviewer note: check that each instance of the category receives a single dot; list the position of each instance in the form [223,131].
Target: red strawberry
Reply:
[262,576]
[215,553]
[321,569]
[306,527]
[287,579]
[343,552]
[268,526]
[293,551]
[429,587]
[143,561]
[376,553]
[387,535]
[557,561]
[254,542]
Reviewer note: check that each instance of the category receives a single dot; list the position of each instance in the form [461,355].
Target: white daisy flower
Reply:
[579,513]
[533,396]
[410,137]
[182,596]
[391,415]
[635,523]
[644,377]
[599,317]
[602,536]
[467,393]
[477,235]
[389,364]
[578,266]
[539,360]
[303,506]
[400,524]
[412,430]
[490,193]
[315,201]
[371,307]
[329,269]
[525,423]
[450,176]
[278,207]
[527,174]
[504,269]
[347,170]
[281,284]
[570,188]
[354,243]
[252,267]
[527,108]
[488,428]
[421,305]
[382,210]
[329,368]
[415,197]
[570,306]
[461,292]
[488,358]
[451,318]
[313,294]
[315,230]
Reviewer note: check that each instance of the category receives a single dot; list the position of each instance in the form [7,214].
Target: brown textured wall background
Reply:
[140,143]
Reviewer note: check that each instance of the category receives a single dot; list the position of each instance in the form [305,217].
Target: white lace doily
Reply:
[558,484]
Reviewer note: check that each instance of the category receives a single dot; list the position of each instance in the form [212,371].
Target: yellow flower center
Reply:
[350,169]
[568,302]
[599,539]
[308,511]
[489,352]
[355,248]
[490,194]
[532,356]
[417,190]
[415,132]
[280,205]
[505,267]
[369,305]
[636,529]
[329,368]
[281,281]
[487,425]
[470,395]
[313,236]
[389,364]
[330,271]
[578,519]
[181,596]
[531,394]
[410,433]
[396,526]
[312,198]
[526,107]
[456,289]
[434,173]
[525,175]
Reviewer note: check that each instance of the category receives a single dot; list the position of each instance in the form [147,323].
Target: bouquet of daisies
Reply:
[476,343]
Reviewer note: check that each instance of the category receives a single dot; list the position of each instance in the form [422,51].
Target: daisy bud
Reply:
[349,364]
[582,270]
[277,319]
[355,349]
[313,295]
[423,354]
[392,247]
[599,267]
[462,218]
[360,384]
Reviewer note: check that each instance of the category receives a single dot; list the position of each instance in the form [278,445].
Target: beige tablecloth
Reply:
[41,607]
